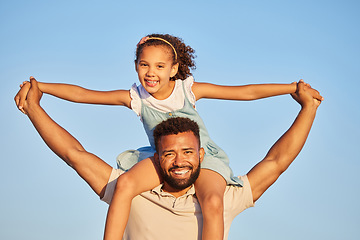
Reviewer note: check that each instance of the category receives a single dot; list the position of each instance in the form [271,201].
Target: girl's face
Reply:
[155,68]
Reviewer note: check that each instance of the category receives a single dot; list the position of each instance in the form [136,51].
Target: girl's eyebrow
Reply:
[155,63]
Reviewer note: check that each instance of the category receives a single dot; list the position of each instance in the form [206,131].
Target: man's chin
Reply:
[181,182]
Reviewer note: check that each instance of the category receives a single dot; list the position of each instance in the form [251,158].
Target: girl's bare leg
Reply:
[141,177]
[210,188]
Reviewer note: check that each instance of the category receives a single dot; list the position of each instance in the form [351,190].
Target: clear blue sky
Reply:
[92,44]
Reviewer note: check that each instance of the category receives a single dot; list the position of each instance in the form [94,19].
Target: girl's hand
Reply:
[21,95]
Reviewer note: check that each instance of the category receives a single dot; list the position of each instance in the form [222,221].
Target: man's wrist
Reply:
[309,108]
[33,108]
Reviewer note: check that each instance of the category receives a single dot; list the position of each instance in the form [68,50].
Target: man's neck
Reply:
[175,192]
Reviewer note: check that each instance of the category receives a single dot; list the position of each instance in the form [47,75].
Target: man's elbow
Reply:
[278,165]
[73,155]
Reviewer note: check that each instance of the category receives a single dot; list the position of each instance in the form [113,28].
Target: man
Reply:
[171,210]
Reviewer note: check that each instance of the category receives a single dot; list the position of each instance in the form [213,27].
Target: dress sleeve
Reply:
[188,82]
[135,99]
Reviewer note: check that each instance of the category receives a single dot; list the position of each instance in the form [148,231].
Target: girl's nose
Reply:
[150,72]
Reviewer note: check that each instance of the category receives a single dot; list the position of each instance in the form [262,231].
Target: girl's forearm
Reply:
[79,94]
[269,90]
[243,92]
[64,91]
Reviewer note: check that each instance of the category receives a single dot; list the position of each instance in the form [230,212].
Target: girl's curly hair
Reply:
[185,54]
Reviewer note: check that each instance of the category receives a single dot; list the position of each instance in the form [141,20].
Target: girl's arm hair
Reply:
[79,94]
[246,92]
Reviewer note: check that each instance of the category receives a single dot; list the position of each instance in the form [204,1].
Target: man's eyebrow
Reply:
[188,148]
[167,151]
[183,149]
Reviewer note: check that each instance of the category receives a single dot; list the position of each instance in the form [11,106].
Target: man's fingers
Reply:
[22,94]
[20,97]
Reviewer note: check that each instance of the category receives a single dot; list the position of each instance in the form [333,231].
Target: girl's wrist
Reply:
[293,87]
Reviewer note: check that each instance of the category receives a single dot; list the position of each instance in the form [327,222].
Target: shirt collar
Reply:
[159,191]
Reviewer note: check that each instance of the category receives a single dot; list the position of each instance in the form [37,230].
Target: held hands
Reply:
[28,95]
[307,96]
[313,92]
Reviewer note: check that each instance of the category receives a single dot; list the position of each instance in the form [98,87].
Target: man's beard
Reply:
[181,184]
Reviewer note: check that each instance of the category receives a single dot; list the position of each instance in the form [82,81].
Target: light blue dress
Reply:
[215,158]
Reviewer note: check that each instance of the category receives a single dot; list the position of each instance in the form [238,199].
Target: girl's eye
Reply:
[160,66]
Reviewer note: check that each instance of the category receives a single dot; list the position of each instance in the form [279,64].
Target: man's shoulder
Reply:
[240,196]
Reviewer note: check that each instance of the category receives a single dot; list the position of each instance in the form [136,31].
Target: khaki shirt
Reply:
[158,215]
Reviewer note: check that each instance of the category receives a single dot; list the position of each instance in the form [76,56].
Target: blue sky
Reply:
[92,44]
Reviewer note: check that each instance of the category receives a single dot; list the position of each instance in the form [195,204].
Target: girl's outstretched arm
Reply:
[79,94]
[247,92]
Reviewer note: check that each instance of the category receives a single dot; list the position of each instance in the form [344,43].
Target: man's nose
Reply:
[179,160]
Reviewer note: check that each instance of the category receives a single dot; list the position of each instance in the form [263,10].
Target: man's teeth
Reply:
[180,172]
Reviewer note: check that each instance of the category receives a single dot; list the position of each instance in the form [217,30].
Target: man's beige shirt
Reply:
[158,215]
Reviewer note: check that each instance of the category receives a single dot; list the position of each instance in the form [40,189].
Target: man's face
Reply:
[179,156]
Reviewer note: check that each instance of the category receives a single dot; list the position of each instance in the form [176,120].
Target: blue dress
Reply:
[215,158]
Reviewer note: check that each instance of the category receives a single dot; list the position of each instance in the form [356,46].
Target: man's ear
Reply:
[202,154]
[174,70]
[156,156]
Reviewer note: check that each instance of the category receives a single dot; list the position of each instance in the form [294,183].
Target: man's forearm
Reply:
[282,153]
[89,167]
[285,150]
[58,139]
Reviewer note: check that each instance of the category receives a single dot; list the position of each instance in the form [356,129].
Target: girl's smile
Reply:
[155,68]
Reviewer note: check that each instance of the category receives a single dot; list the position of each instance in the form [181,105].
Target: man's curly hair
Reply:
[185,54]
[175,126]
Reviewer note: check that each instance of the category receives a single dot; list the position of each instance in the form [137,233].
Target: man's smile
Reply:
[180,172]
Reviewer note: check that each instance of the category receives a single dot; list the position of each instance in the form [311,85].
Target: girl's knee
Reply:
[126,184]
[213,203]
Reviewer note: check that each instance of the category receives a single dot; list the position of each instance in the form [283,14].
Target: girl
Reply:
[167,89]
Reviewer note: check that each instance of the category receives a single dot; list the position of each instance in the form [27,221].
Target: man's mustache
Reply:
[177,167]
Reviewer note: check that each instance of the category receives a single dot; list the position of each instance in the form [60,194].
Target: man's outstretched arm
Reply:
[89,167]
[285,150]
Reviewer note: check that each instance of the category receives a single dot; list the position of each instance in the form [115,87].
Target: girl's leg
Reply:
[210,188]
[141,177]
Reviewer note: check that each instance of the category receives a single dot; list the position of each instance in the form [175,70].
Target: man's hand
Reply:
[313,92]
[306,96]
[28,95]
[20,97]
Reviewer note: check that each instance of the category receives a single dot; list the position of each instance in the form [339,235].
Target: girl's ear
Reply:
[136,66]
[174,70]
